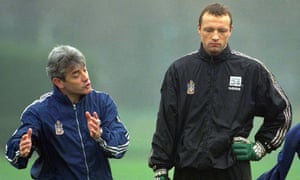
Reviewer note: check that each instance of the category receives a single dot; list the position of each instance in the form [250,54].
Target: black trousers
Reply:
[239,171]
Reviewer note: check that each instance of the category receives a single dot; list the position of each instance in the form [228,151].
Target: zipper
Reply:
[211,79]
[81,142]
[211,89]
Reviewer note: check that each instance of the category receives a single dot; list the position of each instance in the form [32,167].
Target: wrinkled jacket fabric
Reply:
[62,141]
[207,100]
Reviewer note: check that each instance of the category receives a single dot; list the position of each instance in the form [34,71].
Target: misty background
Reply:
[129,44]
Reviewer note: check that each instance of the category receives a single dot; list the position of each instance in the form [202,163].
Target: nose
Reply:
[215,36]
[85,76]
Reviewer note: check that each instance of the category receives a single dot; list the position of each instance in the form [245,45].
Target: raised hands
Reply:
[93,123]
[25,144]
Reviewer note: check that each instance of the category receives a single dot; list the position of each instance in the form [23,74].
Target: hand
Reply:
[161,174]
[162,177]
[25,144]
[93,123]
[246,150]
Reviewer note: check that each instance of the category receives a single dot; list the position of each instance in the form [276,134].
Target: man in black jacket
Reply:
[209,99]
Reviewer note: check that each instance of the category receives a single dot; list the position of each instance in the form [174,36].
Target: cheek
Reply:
[228,35]
[202,36]
[224,37]
[227,38]
[205,39]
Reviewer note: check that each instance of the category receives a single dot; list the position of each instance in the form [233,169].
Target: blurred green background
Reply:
[129,44]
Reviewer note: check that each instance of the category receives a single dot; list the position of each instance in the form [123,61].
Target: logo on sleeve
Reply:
[59,130]
[190,87]
[235,83]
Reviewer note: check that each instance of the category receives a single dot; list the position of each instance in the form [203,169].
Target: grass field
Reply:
[134,165]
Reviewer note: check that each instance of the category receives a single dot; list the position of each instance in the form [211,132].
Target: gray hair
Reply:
[62,57]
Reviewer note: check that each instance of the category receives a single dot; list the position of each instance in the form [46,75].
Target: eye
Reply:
[223,30]
[76,75]
[208,29]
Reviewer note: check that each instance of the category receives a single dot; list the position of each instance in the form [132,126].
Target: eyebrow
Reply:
[77,68]
[74,72]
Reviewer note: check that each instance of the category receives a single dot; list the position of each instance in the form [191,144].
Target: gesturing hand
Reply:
[93,123]
[25,143]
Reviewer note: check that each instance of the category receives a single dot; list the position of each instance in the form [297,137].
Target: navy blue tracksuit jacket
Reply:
[286,156]
[61,138]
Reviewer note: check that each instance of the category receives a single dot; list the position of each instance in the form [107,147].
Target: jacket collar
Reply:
[60,96]
[217,58]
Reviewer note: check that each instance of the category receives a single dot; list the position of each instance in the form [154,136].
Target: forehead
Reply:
[216,21]
[74,68]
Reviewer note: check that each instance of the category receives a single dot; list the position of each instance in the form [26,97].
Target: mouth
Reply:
[214,44]
[87,86]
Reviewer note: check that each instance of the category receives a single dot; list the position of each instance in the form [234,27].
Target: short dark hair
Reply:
[62,57]
[216,10]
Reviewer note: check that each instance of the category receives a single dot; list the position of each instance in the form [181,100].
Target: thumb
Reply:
[29,133]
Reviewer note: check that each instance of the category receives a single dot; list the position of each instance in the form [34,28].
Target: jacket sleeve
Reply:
[12,154]
[163,143]
[274,106]
[285,157]
[115,137]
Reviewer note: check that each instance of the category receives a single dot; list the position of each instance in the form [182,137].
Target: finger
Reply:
[93,132]
[95,115]
[88,115]
[93,124]
[25,152]
[24,142]
[25,147]
[24,137]
[97,118]
[29,133]
[93,128]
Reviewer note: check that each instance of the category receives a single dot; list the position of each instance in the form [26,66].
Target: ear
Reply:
[198,28]
[58,82]
[230,30]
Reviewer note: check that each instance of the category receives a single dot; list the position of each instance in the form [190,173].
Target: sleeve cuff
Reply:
[160,172]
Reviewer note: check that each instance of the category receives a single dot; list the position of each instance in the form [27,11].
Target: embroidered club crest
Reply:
[59,128]
[190,87]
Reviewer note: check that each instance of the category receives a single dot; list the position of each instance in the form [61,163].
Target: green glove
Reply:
[161,174]
[246,150]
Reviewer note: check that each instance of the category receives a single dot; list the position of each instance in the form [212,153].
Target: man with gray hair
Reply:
[74,129]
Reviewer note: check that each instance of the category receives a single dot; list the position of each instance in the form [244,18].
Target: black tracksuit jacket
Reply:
[207,100]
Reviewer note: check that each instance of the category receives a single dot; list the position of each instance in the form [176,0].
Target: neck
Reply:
[74,98]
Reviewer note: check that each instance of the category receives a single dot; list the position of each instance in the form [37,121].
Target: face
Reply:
[214,32]
[76,83]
